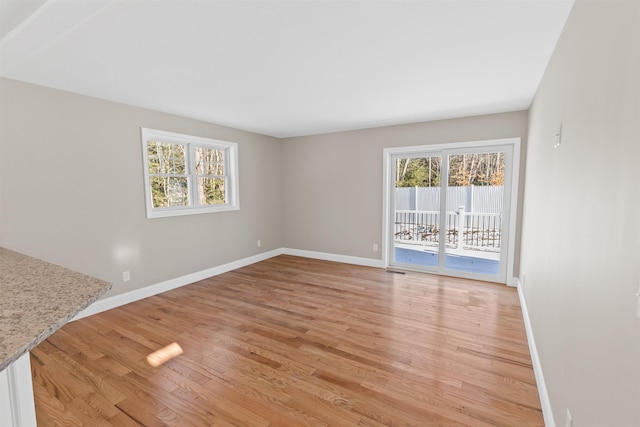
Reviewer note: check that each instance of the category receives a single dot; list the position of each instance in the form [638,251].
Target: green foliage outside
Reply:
[418,172]
[464,170]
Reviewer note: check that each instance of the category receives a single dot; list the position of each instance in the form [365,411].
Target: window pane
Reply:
[154,161]
[166,158]
[211,191]
[169,191]
[476,169]
[209,161]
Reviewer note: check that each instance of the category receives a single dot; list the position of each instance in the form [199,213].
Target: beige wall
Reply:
[581,236]
[72,190]
[71,187]
[333,182]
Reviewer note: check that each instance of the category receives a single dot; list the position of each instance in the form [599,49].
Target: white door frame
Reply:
[387,199]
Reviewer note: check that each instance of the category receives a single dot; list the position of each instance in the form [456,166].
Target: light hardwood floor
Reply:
[297,342]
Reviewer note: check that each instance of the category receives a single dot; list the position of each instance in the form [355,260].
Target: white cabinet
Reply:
[16,395]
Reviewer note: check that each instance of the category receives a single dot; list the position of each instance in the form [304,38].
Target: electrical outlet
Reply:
[375,247]
[126,276]
[568,422]
[259,243]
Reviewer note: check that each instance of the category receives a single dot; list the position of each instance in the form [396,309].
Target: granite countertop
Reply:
[36,299]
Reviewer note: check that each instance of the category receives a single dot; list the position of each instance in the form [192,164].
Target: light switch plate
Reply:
[558,137]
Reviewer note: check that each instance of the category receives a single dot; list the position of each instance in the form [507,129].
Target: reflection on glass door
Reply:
[449,211]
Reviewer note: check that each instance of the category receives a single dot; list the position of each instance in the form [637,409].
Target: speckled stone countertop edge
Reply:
[36,299]
[47,332]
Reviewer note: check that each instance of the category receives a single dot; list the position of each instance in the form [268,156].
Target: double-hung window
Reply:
[186,174]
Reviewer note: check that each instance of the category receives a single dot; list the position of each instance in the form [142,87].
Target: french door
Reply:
[449,209]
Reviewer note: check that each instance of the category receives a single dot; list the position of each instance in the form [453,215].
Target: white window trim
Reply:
[231,163]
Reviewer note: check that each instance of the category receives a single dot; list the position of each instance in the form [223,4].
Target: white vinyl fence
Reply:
[487,199]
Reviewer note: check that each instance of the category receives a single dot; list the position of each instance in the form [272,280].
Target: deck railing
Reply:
[479,231]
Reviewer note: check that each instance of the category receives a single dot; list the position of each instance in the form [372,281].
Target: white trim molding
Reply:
[346,259]
[138,294]
[545,402]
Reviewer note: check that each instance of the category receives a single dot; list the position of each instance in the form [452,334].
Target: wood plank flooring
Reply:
[297,342]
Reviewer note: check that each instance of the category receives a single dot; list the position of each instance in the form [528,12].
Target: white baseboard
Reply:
[547,412]
[138,294]
[367,262]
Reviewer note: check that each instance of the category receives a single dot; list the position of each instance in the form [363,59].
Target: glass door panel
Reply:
[416,213]
[475,189]
[449,211]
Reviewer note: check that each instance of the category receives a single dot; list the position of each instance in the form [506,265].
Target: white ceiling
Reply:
[288,68]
